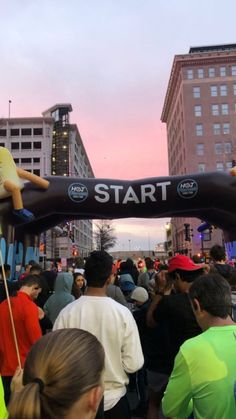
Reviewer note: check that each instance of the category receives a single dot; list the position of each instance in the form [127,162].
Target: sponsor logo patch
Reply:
[77,192]
[187,188]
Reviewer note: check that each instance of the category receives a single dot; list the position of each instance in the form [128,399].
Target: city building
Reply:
[200,115]
[50,145]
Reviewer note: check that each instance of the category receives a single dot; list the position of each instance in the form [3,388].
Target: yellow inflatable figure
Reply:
[11,183]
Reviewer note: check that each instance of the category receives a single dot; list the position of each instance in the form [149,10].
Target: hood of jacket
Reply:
[64,282]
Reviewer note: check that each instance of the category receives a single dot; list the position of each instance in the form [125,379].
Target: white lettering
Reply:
[163,186]
[106,195]
[117,188]
[147,191]
[130,196]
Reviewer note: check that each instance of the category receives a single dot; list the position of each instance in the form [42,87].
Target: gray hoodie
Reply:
[61,297]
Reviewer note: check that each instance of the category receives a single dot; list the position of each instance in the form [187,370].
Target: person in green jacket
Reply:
[203,380]
[3,410]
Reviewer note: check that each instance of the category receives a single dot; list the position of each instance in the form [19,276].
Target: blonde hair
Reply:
[67,363]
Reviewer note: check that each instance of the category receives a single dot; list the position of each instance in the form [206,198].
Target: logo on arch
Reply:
[187,188]
[77,192]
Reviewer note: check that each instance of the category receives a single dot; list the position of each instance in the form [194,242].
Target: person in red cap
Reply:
[174,312]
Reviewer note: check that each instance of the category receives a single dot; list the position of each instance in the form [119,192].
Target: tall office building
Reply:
[50,145]
[200,114]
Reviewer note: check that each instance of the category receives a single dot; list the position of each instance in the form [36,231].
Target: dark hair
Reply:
[124,267]
[98,268]
[67,363]
[36,268]
[30,280]
[6,268]
[149,263]
[186,276]
[213,293]
[217,253]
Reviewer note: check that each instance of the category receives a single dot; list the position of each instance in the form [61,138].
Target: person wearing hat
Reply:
[174,314]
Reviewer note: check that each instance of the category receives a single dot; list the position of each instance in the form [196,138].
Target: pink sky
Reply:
[111,60]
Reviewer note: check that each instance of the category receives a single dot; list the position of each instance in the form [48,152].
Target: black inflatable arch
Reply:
[210,197]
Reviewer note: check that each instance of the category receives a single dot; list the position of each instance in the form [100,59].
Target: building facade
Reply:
[50,145]
[200,115]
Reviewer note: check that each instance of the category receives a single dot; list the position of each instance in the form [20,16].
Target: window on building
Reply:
[3,132]
[223,90]
[37,145]
[16,160]
[216,129]
[26,131]
[198,110]
[226,128]
[222,71]
[26,160]
[189,74]
[26,146]
[199,130]
[219,166]
[38,131]
[233,70]
[211,72]
[214,91]
[15,132]
[2,144]
[15,146]
[234,89]
[197,92]
[228,165]
[201,167]
[218,148]
[224,109]
[228,148]
[36,160]
[200,73]
[200,149]
[215,110]
[36,172]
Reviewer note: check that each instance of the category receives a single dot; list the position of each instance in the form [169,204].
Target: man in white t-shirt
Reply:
[114,325]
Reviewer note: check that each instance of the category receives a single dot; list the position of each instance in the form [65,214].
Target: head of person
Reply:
[32,286]
[210,296]
[6,269]
[184,272]
[98,269]
[35,269]
[139,296]
[62,377]
[149,263]
[79,280]
[217,253]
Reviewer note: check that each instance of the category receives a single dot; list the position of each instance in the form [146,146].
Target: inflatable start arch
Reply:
[44,203]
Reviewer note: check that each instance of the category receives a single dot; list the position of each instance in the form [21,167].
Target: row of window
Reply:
[15,132]
[220,148]
[216,90]
[220,167]
[217,128]
[210,72]
[36,145]
[216,109]
[27,160]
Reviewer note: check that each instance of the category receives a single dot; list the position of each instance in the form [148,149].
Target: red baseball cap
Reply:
[184,263]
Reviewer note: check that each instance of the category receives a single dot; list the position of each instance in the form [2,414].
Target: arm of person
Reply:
[59,322]
[177,401]
[32,325]
[151,321]
[132,354]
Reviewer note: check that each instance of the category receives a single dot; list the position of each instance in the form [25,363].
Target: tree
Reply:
[104,236]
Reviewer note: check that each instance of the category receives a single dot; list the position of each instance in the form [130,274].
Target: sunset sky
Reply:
[111,59]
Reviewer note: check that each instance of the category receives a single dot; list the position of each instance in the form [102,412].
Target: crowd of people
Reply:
[84,338]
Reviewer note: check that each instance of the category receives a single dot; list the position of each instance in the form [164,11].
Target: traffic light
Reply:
[75,252]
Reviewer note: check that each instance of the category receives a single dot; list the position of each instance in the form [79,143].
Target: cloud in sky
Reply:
[111,60]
